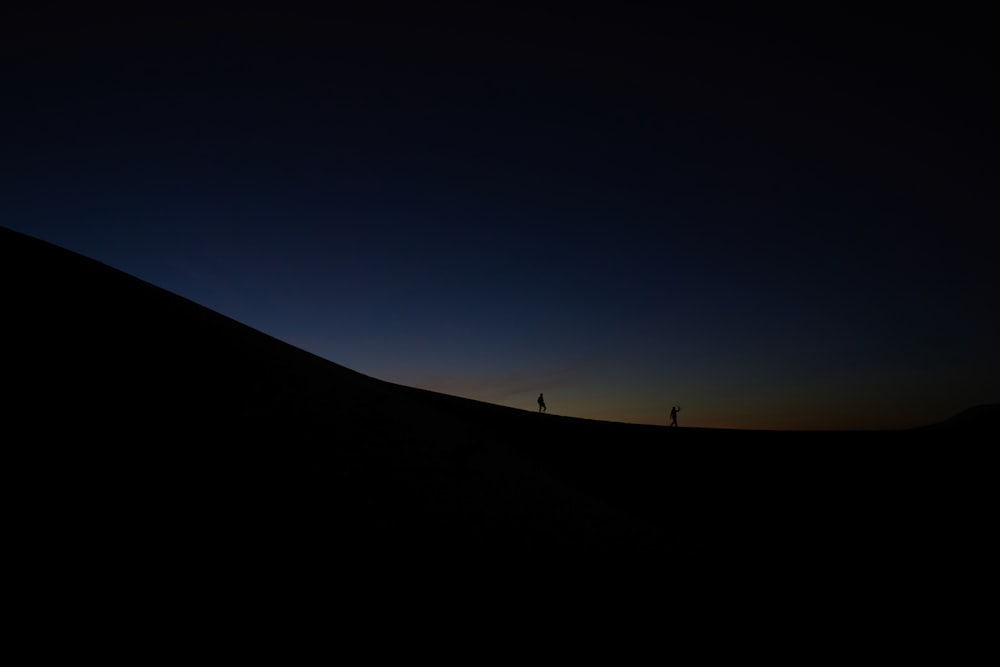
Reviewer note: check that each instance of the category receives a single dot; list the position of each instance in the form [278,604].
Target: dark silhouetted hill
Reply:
[141,423]
[161,412]
[982,418]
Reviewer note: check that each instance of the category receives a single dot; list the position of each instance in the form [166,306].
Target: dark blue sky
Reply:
[772,219]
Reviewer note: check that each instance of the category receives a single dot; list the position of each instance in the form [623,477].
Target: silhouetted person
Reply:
[673,415]
[541,403]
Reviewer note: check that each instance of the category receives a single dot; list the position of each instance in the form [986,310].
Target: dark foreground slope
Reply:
[147,411]
[149,424]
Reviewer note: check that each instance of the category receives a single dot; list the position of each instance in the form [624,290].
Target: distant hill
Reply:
[984,418]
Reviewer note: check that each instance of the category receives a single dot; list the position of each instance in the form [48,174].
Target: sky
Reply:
[772,219]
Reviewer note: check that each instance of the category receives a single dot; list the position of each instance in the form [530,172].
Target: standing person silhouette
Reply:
[541,403]
[673,415]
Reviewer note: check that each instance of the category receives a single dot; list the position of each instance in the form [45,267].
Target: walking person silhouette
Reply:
[673,415]
[541,403]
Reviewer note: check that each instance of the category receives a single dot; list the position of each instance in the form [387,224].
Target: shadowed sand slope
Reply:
[146,418]
[153,403]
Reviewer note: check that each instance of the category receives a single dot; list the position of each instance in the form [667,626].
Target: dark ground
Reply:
[154,439]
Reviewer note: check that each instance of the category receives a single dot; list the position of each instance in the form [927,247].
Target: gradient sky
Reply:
[773,220]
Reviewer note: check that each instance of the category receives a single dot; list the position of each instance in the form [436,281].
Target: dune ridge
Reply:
[146,418]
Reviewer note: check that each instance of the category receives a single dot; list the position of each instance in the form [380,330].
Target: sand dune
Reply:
[145,419]
[177,408]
